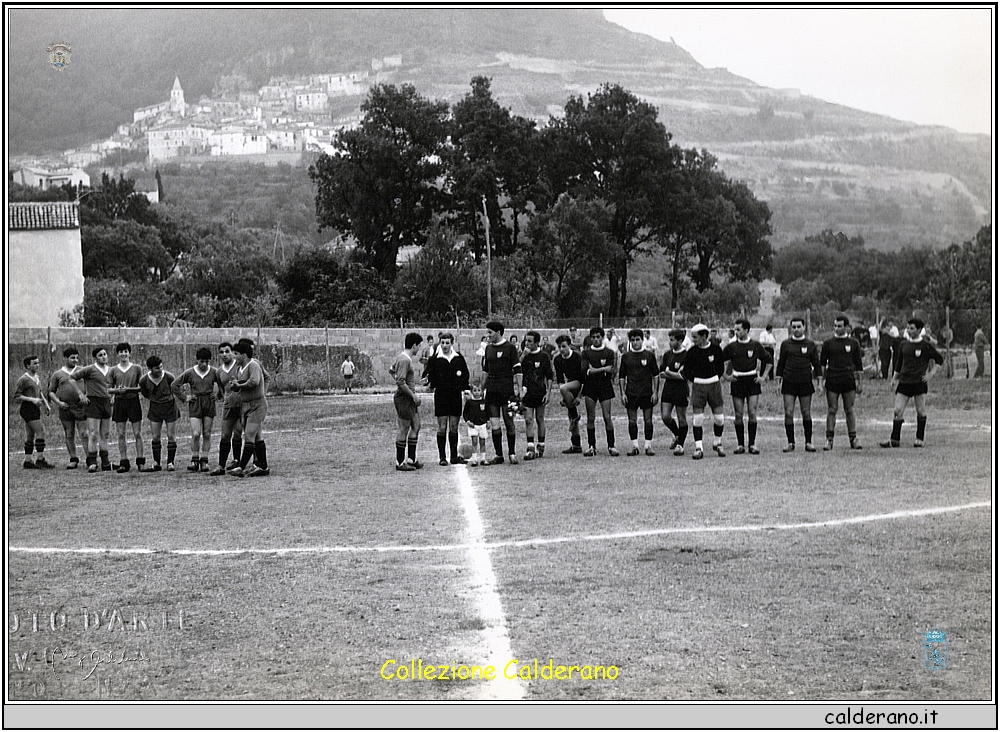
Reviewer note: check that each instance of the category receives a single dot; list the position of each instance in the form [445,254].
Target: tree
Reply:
[569,247]
[113,200]
[124,250]
[381,185]
[613,148]
[492,158]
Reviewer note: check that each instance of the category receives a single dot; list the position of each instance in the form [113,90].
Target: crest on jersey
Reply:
[805,349]
[642,361]
[917,353]
[750,353]
[711,359]
[604,360]
[59,53]
[458,373]
[847,347]
[538,364]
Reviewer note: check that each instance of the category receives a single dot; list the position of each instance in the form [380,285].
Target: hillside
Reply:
[819,165]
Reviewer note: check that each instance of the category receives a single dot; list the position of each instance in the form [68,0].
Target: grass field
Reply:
[777,577]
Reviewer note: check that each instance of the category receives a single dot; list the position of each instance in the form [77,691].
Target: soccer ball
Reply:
[465,450]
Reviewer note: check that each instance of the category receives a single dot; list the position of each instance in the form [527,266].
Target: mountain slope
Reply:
[819,165]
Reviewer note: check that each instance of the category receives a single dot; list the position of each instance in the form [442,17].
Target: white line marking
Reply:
[642,533]
[498,650]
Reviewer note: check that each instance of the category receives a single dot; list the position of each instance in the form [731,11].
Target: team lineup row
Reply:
[91,398]
[520,384]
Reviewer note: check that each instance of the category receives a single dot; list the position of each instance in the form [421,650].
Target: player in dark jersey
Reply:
[798,365]
[502,367]
[639,386]
[157,385]
[916,364]
[840,359]
[202,380]
[746,364]
[599,366]
[448,375]
[407,404]
[232,427]
[64,395]
[569,376]
[675,395]
[536,380]
[704,367]
[476,415]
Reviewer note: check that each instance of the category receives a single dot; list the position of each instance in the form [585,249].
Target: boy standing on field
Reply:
[67,398]
[97,406]
[675,394]
[407,404]
[536,380]
[232,428]
[124,379]
[201,380]
[917,363]
[639,385]
[599,364]
[347,371]
[28,394]
[157,386]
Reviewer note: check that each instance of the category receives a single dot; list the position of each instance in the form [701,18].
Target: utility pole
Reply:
[489,276]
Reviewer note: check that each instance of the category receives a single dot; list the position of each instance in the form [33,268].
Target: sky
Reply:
[932,66]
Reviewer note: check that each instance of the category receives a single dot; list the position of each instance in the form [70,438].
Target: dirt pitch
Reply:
[774,577]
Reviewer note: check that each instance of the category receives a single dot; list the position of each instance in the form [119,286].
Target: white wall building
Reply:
[171,141]
[235,141]
[311,100]
[45,179]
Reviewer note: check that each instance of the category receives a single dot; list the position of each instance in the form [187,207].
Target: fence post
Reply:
[600,319]
[809,326]
[48,344]
[184,346]
[329,383]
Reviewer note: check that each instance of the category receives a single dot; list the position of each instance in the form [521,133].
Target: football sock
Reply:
[140,462]
[647,431]
[91,458]
[441,439]
[224,447]
[718,429]
[39,445]
[498,442]
[157,451]
[105,458]
[807,427]
[28,447]
[260,454]
[829,435]
[682,433]
[790,431]
[511,442]
[671,424]
[633,432]
[697,432]
[574,440]
[245,455]
[204,461]
[411,449]
[453,445]
[592,436]
[610,432]
[752,432]
[171,450]
[400,451]
[739,434]
[897,427]
[921,426]
[237,448]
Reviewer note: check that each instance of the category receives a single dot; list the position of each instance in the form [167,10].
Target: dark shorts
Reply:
[98,408]
[499,395]
[702,394]
[912,390]
[841,386]
[638,402]
[598,390]
[73,413]
[202,406]
[348,377]
[405,406]
[127,409]
[30,412]
[160,412]
[447,403]
[797,388]
[230,412]
[675,392]
[533,399]
[743,387]
[253,411]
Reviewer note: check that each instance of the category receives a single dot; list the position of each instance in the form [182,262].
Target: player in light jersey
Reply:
[124,378]
[407,404]
[232,427]
[64,395]
[28,394]
[201,381]
[97,406]
[253,409]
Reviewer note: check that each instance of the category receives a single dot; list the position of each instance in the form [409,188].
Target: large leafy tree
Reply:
[441,281]
[570,246]
[381,185]
[612,147]
[126,251]
[492,158]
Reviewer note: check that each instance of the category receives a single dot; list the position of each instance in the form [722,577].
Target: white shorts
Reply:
[477,430]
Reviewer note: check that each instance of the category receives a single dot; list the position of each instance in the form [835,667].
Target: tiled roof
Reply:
[37,216]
